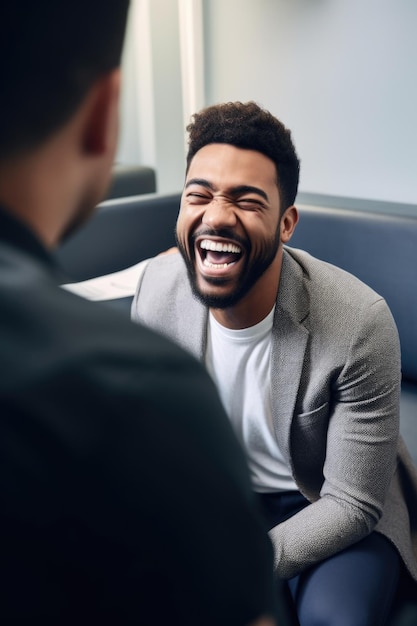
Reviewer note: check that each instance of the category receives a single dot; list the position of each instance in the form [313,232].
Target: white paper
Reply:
[111,286]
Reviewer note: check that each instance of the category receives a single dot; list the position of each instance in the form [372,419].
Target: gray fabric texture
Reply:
[335,376]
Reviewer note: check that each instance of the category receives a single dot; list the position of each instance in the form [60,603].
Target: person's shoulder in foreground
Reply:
[125,496]
[121,475]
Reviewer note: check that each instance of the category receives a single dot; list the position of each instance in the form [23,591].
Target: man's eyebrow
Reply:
[200,181]
[240,189]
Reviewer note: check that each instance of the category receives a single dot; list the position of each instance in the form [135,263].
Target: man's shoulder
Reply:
[164,288]
[165,302]
[337,302]
[328,279]
[167,269]
[52,330]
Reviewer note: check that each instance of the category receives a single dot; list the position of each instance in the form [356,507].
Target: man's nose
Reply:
[219,213]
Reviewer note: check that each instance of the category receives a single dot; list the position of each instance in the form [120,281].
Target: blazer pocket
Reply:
[312,416]
[309,441]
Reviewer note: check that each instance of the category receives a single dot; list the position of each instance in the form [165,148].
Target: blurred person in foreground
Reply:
[307,362]
[125,497]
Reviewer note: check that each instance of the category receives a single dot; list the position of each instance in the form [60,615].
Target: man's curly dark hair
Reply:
[249,126]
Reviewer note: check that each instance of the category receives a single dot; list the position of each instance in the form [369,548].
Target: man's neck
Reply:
[21,192]
[256,304]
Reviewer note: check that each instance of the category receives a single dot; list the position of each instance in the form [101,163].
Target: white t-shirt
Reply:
[239,363]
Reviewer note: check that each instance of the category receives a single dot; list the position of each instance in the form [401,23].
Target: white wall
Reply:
[137,142]
[152,124]
[341,74]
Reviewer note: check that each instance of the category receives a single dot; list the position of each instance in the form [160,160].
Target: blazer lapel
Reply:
[289,341]
[192,326]
[171,309]
[188,319]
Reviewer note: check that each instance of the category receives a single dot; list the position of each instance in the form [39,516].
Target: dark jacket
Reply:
[125,497]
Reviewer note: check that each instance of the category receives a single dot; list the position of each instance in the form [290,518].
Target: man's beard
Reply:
[250,274]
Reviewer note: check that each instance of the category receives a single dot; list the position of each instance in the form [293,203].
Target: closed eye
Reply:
[250,204]
[197,198]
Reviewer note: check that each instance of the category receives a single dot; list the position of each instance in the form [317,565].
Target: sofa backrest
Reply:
[121,233]
[131,180]
[379,249]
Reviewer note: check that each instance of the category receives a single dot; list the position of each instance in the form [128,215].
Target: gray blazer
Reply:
[335,375]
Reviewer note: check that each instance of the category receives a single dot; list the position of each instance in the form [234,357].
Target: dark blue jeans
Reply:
[355,587]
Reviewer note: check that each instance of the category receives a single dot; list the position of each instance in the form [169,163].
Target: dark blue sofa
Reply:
[131,180]
[122,232]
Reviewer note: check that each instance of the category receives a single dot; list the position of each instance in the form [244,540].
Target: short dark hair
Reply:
[51,52]
[249,126]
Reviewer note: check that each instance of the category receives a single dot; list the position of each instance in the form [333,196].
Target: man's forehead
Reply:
[238,166]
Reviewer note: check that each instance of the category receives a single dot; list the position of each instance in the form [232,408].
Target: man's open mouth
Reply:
[217,254]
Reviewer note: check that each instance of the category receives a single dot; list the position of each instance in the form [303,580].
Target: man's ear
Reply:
[288,223]
[102,112]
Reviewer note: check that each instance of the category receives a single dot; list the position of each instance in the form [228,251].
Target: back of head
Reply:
[248,126]
[51,52]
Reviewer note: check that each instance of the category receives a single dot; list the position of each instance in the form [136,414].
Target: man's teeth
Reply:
[216,265]
[217,246]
